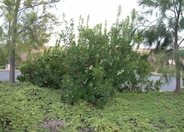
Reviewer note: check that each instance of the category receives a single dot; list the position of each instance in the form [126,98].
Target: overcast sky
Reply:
[98,10]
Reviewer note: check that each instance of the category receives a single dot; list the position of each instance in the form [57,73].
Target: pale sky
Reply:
[98,10]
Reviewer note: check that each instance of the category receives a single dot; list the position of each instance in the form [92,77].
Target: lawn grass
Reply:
[24,107]
[1,66]
[18,67]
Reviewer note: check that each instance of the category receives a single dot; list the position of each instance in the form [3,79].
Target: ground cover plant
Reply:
[24,107]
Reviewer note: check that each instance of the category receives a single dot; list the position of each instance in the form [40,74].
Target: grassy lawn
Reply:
[1,66]
[16,67]
[24,107]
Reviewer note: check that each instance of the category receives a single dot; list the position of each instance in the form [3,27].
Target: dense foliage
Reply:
[28,108]
[46,71]
[92,67]
[101,62]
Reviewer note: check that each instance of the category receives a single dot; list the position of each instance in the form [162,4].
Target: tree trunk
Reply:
[176,48]
[13,42]
[177,90]
[178,75]
[12,67]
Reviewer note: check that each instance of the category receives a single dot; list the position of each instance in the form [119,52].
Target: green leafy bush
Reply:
[101,62]
[46,71]
[92,67]
[84,80]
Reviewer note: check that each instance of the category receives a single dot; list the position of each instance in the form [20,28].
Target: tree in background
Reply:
[26,23]
[165,32]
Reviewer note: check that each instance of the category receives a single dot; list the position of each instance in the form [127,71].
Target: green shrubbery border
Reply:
[94,66]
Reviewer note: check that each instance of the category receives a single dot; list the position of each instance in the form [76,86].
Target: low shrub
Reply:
[46,71]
